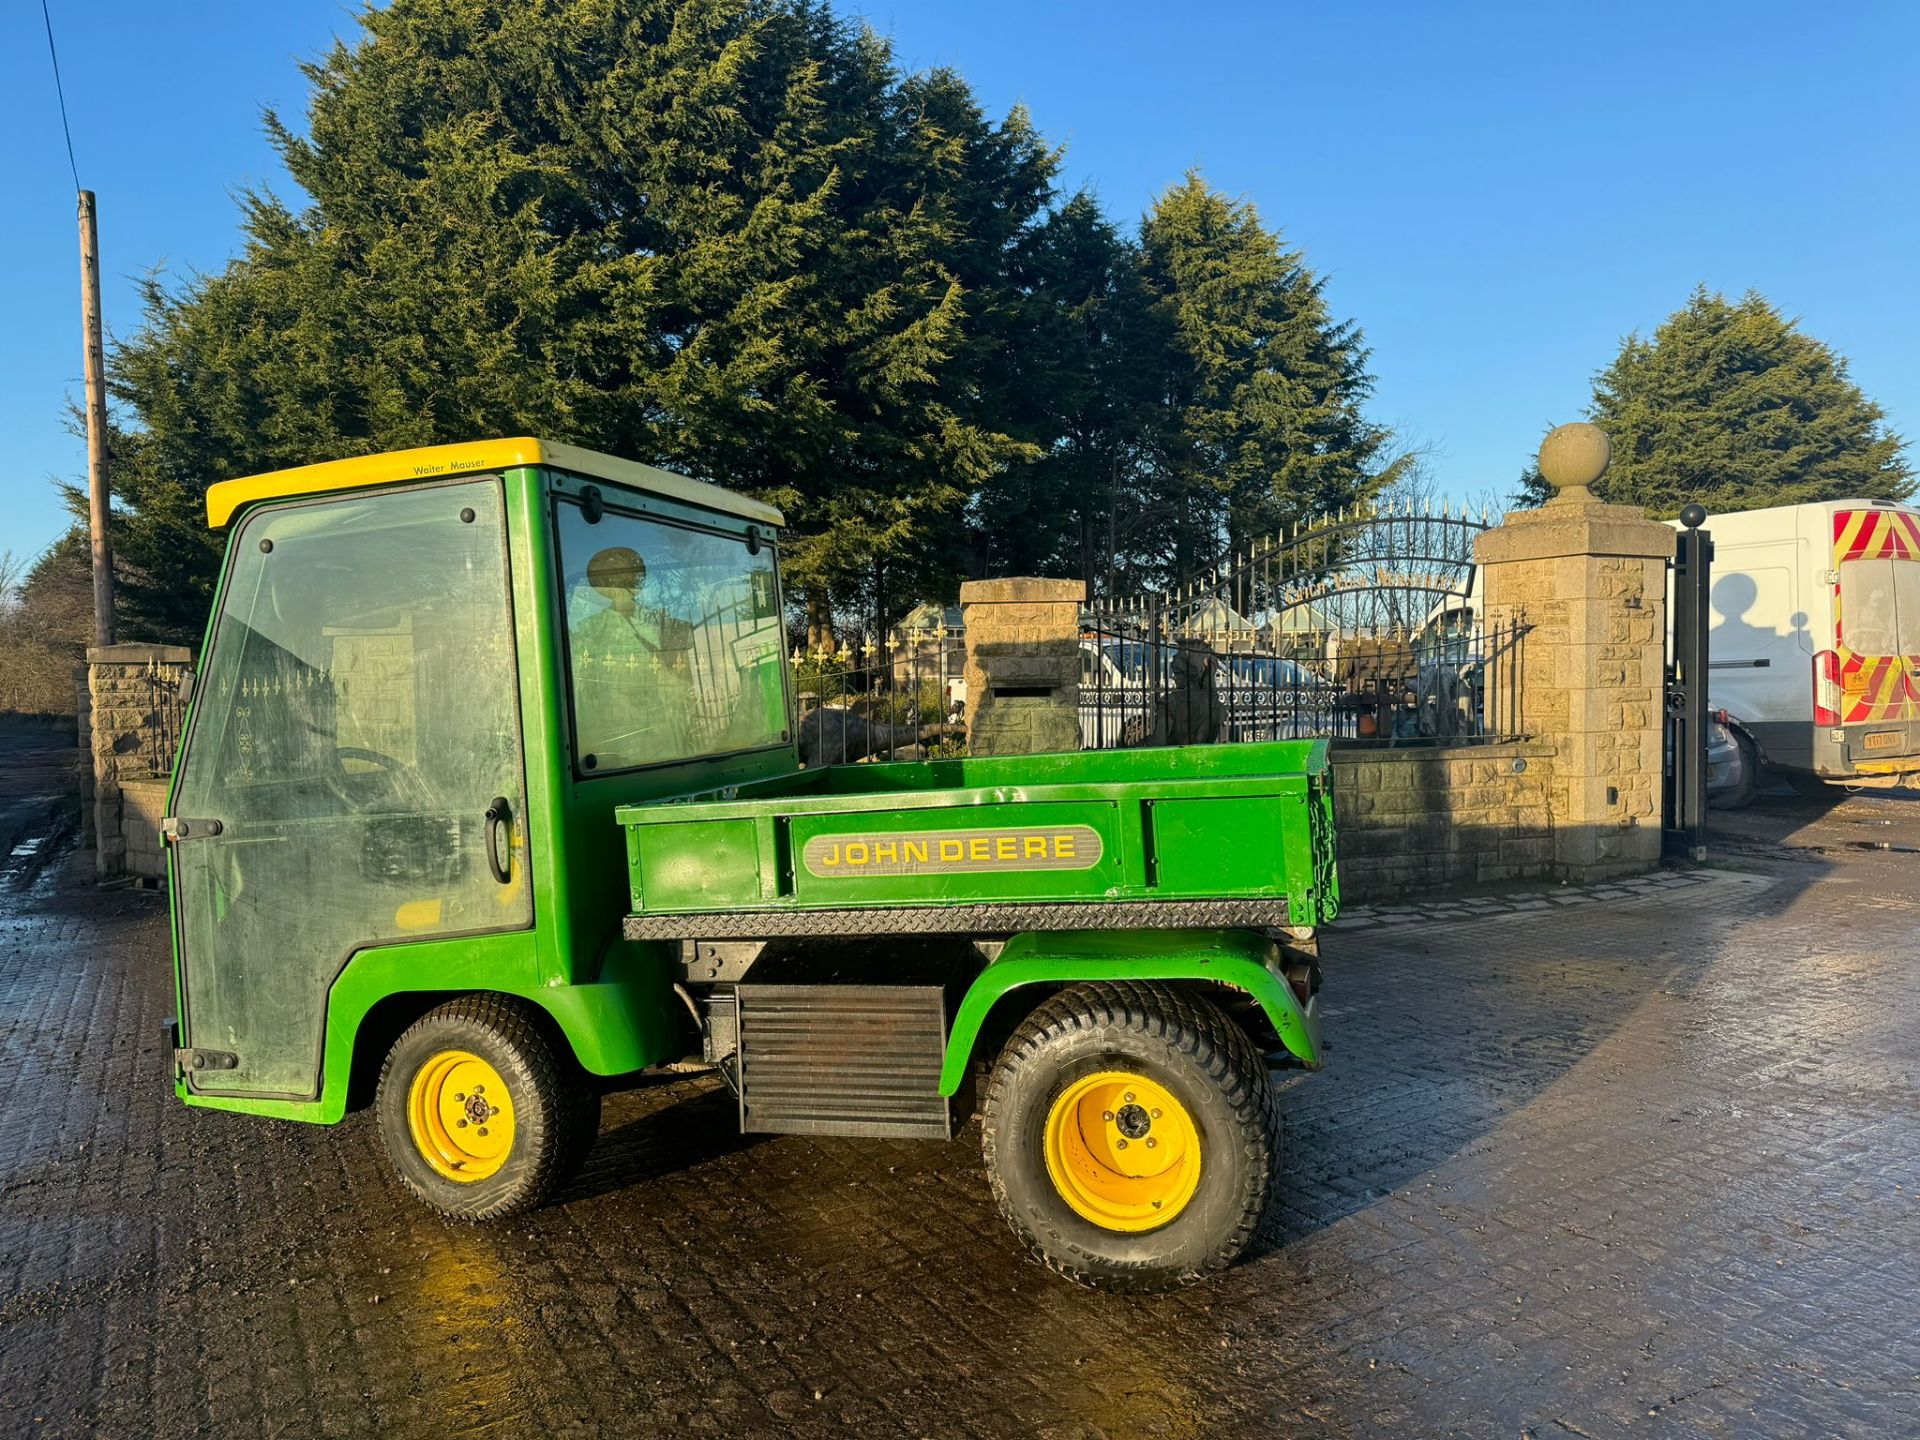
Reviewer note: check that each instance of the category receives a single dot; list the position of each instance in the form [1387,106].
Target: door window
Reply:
[356,717]
[673,642]
[1869,613]
[1906,601]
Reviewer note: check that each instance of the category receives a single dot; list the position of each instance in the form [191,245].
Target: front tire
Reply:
[481,1114]
[1131,1136]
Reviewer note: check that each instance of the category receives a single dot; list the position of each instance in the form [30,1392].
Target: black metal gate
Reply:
[1361,627]
[1683,816]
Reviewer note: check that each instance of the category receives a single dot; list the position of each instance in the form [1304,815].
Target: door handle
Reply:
[499,821]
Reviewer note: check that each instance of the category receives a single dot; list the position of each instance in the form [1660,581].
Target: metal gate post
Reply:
[1684,808]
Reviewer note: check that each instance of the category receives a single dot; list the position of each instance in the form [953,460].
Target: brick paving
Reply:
[1578,1166]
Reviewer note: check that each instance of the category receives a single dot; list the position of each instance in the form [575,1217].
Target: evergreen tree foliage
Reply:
[725,236]
[1263,387]
[1731,405]
[1191,390]
[1083,371]
[733,238]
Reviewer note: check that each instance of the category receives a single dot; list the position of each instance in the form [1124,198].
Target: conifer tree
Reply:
[1264,388]
[1731,405]
[725,236]
[1082,377]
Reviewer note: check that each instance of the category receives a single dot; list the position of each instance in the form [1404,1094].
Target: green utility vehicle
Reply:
[489,797]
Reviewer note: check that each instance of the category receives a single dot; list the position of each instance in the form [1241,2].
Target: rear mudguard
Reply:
[1241,959]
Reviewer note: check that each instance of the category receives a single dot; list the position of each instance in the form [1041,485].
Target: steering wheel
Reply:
[372,757]
[352,790]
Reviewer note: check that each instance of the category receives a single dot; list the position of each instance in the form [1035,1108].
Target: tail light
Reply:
[1826,688]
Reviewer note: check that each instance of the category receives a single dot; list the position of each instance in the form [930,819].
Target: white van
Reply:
[1814,643]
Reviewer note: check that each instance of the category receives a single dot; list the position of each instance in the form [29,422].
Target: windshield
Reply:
[673,642]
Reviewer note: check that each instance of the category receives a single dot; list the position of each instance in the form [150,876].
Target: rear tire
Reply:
[1117,1103]
[1809,786]
[481,1113]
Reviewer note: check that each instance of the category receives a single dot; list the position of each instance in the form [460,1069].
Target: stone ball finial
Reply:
[1572,457]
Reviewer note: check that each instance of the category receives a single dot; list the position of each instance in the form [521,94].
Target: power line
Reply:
[60,91]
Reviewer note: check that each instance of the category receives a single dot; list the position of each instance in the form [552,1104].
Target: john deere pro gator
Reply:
[489,797]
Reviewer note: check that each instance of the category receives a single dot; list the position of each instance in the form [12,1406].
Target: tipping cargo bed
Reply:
[1184,838]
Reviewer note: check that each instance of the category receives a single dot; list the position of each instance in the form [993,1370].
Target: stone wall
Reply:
[134,716]
[1424,819]
[143,802]
[1023,665]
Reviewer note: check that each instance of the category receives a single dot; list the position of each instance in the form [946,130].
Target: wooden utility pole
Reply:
[97,491]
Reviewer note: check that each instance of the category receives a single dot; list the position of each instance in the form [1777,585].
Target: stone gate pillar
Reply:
[1023,665]
[134,708]
[1591,579]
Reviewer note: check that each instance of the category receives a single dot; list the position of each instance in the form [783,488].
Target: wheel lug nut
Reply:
[1121,1143]
[1156,1114]
[1128,1097]
[483,1129]
[460,1124]
[1107,1115]
[1151,1142]
[479,1089]
[458,1096]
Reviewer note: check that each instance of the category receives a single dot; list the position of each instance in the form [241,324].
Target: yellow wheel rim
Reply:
[1122,1151]
[461,1116]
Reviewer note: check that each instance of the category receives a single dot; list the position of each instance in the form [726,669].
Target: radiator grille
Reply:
[843,1060]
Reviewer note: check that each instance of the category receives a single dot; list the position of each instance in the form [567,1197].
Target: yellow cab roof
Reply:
[435,461]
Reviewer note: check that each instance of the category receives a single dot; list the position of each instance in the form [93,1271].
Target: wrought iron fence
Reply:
[1372,570]
[158,737]
[901,701]
[1360,627]
[1151,685]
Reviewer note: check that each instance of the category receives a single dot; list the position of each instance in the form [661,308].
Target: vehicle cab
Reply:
[428,680]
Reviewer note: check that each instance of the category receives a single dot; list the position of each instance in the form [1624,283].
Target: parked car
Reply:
[1733,776]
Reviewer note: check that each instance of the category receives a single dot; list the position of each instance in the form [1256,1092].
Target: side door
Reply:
[352,775]
[1758,645]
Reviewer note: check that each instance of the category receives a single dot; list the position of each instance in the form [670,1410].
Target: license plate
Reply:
[1885,740]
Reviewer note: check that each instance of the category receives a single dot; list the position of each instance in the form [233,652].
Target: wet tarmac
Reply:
[1640,1165]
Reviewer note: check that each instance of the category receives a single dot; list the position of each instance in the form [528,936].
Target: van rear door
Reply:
[1877,625]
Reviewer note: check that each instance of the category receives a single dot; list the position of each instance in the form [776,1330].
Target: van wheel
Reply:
[1739,795]
[481,1114]
[1809,786]
[1131,1136]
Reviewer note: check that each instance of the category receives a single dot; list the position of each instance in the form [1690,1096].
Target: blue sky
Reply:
[1497,193]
